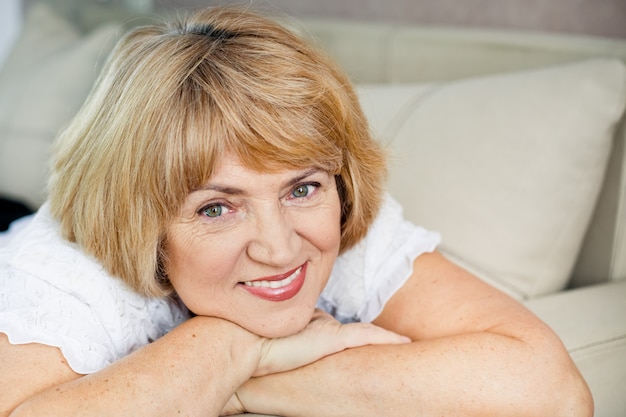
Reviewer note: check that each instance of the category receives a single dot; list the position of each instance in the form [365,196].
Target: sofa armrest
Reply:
[591,323]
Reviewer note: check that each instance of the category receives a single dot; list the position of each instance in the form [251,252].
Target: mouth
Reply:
[279,287]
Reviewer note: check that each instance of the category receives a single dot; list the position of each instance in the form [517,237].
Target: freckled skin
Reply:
[246,225]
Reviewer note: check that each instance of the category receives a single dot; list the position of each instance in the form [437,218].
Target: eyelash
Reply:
[226,208]
[205,209]
[315,186]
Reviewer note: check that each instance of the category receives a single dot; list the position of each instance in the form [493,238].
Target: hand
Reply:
[323,336]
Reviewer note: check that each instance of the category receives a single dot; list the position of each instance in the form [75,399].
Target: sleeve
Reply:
[92,328]
[366,276]
[52,293]
[33,311]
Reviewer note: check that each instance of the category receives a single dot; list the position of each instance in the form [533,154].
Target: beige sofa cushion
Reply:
[590,323]
[42,84]
[506,167]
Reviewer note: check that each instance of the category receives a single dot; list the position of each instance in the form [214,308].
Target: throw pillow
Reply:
[508,167]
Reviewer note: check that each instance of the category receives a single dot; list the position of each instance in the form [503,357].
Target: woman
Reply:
[218,185]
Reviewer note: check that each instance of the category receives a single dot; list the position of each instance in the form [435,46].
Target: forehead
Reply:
[231,170]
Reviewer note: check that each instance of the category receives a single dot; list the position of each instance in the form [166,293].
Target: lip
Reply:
[282,293]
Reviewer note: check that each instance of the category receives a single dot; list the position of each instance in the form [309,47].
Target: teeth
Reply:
[274,284]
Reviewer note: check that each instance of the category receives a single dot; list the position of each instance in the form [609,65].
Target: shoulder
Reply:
[60,297]
[365,276]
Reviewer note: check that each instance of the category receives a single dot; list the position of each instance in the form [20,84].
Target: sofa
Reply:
[511,144]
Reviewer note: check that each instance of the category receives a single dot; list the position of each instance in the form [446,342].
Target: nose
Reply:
[275,240]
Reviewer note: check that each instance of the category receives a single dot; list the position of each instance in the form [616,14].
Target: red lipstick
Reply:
[277,287]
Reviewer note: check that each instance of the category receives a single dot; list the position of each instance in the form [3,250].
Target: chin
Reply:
[282,325]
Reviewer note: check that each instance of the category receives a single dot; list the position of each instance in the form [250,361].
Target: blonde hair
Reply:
[171,101]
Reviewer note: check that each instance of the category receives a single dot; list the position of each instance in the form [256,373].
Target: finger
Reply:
[361,334]
[323,336]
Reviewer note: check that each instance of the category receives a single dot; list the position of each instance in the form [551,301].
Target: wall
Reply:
[586,17]
[590,17]
[10,25]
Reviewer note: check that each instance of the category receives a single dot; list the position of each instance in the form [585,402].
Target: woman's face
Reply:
[256,248]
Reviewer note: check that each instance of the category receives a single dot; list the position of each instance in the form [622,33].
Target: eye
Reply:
[214,210]
[303,190]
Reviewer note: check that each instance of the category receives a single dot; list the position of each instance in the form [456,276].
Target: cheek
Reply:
[324,229]
[180,247]
[331,234]
[195,259]
[200,270]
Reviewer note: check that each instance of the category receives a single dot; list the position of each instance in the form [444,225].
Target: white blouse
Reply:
[52,293]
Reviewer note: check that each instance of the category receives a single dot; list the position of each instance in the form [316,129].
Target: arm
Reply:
[476,352]
[190,370]
[193,370]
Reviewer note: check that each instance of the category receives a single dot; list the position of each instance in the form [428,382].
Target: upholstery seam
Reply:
[599,343]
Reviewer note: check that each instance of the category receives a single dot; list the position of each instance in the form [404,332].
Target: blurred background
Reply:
[595,18]
[589,17]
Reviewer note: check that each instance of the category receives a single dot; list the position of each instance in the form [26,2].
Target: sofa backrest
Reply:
[388,53]
[396,55]
[603,254]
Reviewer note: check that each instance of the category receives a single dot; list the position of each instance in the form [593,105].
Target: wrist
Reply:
[221,340]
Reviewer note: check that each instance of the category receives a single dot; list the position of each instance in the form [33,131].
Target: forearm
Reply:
[468,375]
[193,370]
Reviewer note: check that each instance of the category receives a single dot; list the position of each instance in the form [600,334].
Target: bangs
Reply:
[285,139]
[267,129]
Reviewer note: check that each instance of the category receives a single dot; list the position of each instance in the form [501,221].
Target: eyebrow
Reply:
[238,191]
